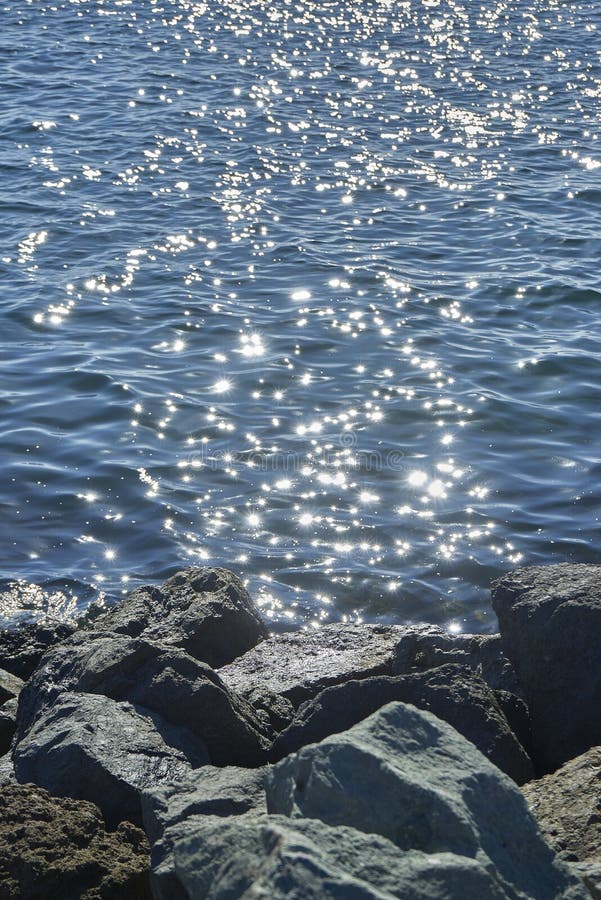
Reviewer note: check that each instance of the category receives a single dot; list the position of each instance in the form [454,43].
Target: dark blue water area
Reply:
[307,290]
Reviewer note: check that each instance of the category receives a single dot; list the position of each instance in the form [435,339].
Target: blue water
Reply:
[309,290]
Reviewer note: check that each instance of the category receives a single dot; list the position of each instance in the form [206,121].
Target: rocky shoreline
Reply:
[171,748]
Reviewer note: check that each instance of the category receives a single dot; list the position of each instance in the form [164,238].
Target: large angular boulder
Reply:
[282,858]
[453,693]
[550,620]
[208,792]
[89,747]
[205,611]
[166,680]
[298,665]
[411,778]
[22,648]
[51,847]
[567,806]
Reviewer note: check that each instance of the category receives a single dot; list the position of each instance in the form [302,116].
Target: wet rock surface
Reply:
[51,847]
[205,611]
[183,691]
[93,748]
[22,648]
[550,620]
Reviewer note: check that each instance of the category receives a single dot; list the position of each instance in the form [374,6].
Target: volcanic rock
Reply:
[550,620]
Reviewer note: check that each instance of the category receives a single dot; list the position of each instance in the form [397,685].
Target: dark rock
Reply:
[406,775]
[166,680]
[280,858]
[227,792]
[518,716]
[299,664]
[425,649]
[453,693]
[205,611]
[22,648]
[89,747]
[567,807]
[276,711]
[550,619]
[8,724]
[59,848]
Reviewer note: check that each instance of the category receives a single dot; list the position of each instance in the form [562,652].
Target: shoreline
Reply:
[215,759]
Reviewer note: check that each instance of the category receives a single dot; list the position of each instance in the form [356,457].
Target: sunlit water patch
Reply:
[308,290]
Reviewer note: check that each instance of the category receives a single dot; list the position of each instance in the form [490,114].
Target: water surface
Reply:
[309,290]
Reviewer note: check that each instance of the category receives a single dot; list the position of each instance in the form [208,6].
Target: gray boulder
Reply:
[207,792]
[550,620]
[166,680]
[280,858]
[298,665]
[10,686]
[567,807]
[89,747]
[453,693]
[22,648]
[205,611]
[411,778]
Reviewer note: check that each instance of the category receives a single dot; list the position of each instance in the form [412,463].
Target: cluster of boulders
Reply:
[171,748]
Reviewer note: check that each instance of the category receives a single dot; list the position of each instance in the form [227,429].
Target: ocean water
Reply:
[306,289]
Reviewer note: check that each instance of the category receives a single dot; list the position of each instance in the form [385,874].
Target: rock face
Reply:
[92,748]
[10,686]
[567,807]
[453,693]
[52,847]
[22,648]
[283,858]
[550,620]
[298,665]
[411,778]
[8,724]
[183,691]
[209,792]
[205,611]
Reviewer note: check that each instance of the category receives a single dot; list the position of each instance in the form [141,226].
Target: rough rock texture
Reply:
[550,620]
[298,665]
[8,724]
[182,690]
[10,686]
[453,693]
[92,748]
[406,775]
[51,847]
[205,611]
[425,648]
[275,710]
[22,648]
[7,770]
[279,859]
[226,792]
[567,807]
